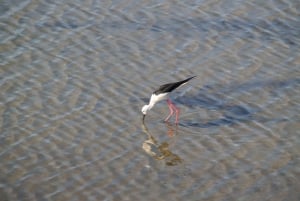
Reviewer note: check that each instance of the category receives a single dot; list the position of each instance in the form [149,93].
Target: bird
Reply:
[162,93]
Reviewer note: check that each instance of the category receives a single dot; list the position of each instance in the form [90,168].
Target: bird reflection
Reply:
[161,151]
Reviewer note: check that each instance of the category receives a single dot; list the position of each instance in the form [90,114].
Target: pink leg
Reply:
[177,112]
[170,105]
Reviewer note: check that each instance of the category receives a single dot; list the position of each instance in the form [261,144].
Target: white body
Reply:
[153,100]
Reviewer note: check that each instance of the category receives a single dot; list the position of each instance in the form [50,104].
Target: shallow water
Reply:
[74,76]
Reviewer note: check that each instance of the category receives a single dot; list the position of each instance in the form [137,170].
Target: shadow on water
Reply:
[226,120]
[210,98]
[231,114]
[161,150]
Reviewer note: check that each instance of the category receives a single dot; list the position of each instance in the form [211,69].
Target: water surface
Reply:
[75,74]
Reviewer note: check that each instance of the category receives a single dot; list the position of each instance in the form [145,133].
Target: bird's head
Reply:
[145,109]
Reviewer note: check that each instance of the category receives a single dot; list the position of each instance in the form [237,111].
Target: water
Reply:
[74,76]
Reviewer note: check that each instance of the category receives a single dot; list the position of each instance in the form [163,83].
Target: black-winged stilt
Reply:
[162,94]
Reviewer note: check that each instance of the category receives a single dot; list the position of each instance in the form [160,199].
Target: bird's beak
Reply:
[144,117]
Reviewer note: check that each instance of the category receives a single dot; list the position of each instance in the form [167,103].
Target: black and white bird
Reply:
[162,93]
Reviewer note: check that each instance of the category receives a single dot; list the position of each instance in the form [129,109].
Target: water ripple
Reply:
[73,76]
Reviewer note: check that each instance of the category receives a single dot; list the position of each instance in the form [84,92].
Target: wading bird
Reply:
[162,93]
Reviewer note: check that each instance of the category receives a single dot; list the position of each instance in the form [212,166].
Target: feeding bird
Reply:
[162,93]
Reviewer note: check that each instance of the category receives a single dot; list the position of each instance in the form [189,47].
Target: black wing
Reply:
[171,86]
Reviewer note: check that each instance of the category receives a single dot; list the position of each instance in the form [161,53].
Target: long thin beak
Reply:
[144,117]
